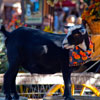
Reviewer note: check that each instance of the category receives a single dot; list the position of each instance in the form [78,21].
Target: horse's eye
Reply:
[76,35]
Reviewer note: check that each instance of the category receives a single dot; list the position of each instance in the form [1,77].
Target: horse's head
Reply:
[77,35]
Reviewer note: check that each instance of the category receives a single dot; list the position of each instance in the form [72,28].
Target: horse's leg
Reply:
[9,76]
[13,87]
[67,81]
[8,80]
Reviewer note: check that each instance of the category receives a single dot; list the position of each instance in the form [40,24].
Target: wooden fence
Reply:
[76,78]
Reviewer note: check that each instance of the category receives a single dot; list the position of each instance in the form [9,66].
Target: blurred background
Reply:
[47,15]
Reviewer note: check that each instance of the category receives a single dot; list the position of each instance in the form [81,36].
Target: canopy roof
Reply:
[66,3]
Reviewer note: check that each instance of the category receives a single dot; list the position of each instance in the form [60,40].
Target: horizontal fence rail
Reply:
[37,85]
[76,78]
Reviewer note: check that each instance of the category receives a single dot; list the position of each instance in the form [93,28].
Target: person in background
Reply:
[74,12]
[62,18]
[82,5]
[70,21]
[46,22]
[51,21]
[56,22]
[78,21]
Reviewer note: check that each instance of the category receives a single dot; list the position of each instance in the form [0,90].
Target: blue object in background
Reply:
[28,10]
[56,22]
[32,1]
[36,6]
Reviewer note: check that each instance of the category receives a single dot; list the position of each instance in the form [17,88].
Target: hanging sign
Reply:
[33,11]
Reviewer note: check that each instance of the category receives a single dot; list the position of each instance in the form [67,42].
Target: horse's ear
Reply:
[83,31]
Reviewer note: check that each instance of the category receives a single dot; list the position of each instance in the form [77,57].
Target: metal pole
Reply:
[91,66]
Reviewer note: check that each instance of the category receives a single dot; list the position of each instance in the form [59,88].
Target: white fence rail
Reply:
[76,78]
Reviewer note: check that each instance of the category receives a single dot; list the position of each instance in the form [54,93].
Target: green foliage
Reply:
[3,57]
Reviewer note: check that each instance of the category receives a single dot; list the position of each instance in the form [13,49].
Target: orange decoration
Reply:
[77,56]
[75,63]
[82,53]
[70,59]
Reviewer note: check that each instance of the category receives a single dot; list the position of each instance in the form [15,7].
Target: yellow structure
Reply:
[60,87]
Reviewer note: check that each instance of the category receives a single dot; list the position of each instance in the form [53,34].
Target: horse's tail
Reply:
[3,30]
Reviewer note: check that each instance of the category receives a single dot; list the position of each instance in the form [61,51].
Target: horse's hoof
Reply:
[69,98]
[8,97]
[16,97]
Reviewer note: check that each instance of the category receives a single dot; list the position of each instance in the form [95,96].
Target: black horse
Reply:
[40,52]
